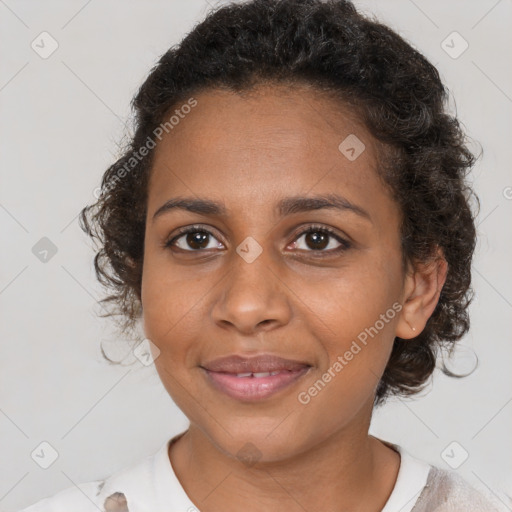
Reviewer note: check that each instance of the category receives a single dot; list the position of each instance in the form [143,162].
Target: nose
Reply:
[253,297]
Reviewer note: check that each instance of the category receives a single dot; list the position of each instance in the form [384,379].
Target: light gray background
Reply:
[61,119]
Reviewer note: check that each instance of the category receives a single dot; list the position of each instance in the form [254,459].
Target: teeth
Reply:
[260,374]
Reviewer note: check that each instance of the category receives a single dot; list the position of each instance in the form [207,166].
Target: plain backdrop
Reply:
[61,120]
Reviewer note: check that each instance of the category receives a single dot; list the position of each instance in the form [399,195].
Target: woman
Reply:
[291,222]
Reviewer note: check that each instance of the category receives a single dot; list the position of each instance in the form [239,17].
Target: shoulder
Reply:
[447,491]
[86,497]
[144,485]
[82,498]
[422,487]
[100,495]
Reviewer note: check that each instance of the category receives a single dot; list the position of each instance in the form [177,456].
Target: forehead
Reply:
[265,142]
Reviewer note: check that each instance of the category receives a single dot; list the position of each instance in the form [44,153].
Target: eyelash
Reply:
[344,244]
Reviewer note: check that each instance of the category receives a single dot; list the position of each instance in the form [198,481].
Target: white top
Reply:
[151,485]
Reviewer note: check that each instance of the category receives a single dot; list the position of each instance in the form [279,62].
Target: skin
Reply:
[250,151]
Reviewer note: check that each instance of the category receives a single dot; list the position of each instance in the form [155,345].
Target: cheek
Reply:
[354,318]
[354,299]
[171,316]
[171,305]
[355,324]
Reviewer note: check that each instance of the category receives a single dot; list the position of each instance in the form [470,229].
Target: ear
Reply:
[422,288]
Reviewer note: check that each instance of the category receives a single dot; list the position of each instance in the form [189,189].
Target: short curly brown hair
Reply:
[396,92]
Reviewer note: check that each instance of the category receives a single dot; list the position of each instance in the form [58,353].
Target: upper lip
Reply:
[255,364]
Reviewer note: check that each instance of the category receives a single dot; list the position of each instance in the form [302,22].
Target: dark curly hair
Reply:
[395,91]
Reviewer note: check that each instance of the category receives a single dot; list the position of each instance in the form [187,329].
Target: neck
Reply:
[345,472]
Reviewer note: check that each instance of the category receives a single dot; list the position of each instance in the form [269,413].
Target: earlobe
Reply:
[422,288]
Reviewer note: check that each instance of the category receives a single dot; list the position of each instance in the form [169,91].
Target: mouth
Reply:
[256,378]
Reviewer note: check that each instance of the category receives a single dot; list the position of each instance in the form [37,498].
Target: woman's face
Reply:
[259,275]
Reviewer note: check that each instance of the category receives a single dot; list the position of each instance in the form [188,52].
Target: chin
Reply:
[254,441]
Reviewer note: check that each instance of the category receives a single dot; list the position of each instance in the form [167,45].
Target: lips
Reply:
[262,364]
[255,378]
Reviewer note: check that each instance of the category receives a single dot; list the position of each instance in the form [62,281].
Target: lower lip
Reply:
[254,388]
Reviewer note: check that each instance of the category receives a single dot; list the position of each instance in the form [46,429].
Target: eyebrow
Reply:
[286,206]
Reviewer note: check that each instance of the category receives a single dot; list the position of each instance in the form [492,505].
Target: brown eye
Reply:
[317,240]
[193,239]
[197,240]
[320,239]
